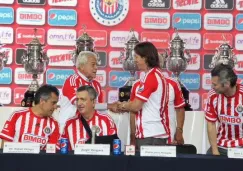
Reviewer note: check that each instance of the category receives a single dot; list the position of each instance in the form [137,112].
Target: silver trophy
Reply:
[223,55]
[83,43]
[177,62]
[35,62]
[3,58]
[127,59]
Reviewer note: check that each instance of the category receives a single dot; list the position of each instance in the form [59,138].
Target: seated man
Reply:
[35,124]
[78,128]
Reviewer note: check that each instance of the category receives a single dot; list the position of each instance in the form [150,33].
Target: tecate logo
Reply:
[115,59]
[30,16]
[62,17]
[191,80]
[6,76]
[239,5]
[194,63]
[187,4]
[6,15]
[239,64]
[62,2]
[60,57]
[58,77]
[187,21]
[218,21]
[118,78]
[155,20]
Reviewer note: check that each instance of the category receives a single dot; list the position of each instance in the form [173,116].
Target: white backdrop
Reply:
[194,127]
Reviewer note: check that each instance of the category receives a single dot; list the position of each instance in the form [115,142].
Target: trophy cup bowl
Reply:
[3,58]
[35,62]
[223,55]
[177,63]
[83,43]
[128,65]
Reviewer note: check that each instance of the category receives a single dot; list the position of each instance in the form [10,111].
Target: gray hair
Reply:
[82,58]
[91,91]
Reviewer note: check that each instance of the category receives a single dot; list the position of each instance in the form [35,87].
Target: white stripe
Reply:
[240,126]
[27,119]
[17,128]
[232,113]
[77,130]
[8,137]
[33,125]
[41,127]
[141,97]
[225,112]
[70,136]
[104,128]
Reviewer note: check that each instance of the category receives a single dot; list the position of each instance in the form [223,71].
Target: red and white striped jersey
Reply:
[228,111]
[25,126]
[75,132]
[176,101]
[151,120]
[109,8]
[72,83]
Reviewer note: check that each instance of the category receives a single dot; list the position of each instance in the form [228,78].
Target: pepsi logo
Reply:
[114,78]
[63,145]
[53,16]
[115,146]
[240,21]
[51,76]
[177,20]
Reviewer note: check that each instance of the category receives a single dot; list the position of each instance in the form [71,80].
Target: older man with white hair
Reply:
[86,68]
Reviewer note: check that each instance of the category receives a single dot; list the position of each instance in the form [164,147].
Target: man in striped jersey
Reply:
[78,128]
[224,105]
[35,124]
[86,65]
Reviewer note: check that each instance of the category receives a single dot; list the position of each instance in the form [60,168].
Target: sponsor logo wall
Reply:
[202,25]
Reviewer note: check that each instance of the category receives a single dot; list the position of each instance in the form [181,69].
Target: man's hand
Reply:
[113,107]
[178,139]
[215,152]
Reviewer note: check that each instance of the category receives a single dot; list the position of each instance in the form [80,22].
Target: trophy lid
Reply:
[35,41]
[133,40]
[177,38]
[84,37]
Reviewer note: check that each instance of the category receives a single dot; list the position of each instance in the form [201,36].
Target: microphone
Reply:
[94,130]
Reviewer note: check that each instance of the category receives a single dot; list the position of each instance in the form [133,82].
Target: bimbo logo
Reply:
[57,77]
[118,78]
[30,16]
[6,15]
[6,76]
[21,77]
[191,81]
[62,17]
[187,21]
[34,139]
[187,4]
[219,21]
[155,20]
[230,119]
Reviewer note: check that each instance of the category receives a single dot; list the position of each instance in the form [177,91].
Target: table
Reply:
[70,162]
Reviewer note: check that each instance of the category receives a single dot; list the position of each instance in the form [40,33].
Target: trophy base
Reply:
[124,93]
[28,99]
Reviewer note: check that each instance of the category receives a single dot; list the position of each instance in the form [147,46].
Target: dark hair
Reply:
[148,51]
[91,91]
[44,92]
[225,73]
